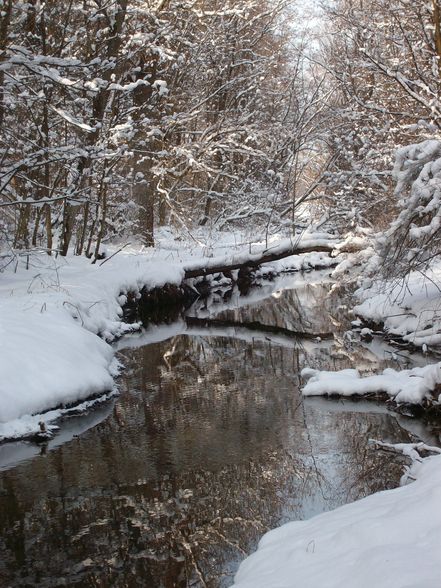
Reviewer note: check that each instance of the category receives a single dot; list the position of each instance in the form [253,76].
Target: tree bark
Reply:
[4,26]
[437,32]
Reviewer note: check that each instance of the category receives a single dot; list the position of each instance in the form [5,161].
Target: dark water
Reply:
[208,446]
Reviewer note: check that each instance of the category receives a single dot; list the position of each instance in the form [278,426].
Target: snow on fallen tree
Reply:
[412,386]
[319,242]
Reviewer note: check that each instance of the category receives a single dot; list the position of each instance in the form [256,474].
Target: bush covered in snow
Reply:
[414,237]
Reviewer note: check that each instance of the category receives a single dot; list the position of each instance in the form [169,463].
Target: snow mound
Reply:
[389,539]
[47,358]
[406,386]
[56,319]
[409,308]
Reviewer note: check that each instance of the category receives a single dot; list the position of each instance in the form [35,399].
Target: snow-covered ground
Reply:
[58,316]
[410,308]
[56,319]
[389,539]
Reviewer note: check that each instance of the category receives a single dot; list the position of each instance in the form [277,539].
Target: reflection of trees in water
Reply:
[117,519]
[364,469]
[301,309]
[209,446]
[172,532]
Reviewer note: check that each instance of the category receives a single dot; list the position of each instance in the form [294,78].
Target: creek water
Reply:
[209,445]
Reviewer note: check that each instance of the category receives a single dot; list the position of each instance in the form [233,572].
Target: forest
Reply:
[121,117]
[217,217]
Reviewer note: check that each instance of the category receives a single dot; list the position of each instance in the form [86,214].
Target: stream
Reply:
[208,446]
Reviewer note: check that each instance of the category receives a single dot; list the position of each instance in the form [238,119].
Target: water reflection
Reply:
[208,446]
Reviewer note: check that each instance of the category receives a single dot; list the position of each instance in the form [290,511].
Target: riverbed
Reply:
[208,445]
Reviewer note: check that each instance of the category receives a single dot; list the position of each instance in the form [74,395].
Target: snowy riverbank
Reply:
[391,538]
[409,308]
[58,316]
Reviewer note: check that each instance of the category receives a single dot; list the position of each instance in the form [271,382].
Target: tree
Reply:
[73,93]
[122,115]
[384,59]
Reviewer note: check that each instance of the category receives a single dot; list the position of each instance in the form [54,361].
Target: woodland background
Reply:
[120,116]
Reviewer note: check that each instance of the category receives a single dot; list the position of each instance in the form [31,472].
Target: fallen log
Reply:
[253,260]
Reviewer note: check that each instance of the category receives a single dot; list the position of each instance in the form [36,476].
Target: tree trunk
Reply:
[67,229]
[437,32]
[144,196]
[4,26]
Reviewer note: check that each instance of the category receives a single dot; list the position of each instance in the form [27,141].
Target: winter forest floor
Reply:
[59,316]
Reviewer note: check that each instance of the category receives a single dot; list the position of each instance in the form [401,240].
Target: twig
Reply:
[113,254]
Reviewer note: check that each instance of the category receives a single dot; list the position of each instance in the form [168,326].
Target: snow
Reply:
[41,352]
[303,241]
[128,87]
[391,538]
[72,120]
[301,263]
[405,386]
[409,308]
[161,87]
[15,452]
[56,322]
[28,425]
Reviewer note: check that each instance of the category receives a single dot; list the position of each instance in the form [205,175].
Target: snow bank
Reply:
[410,308]
[405,386]
[80,420]
[47,358]
[56,319]
[389,539]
